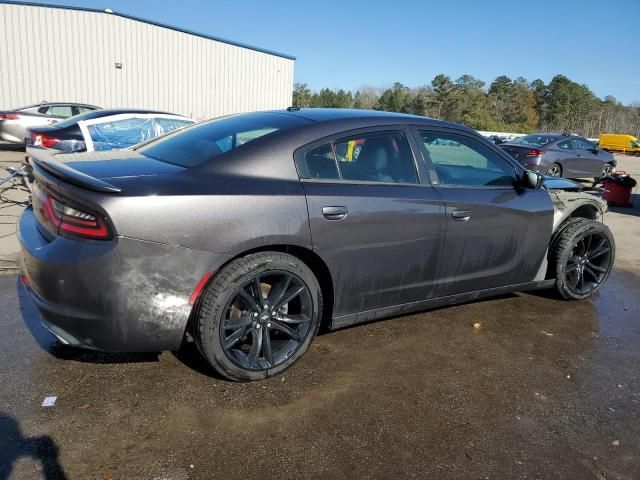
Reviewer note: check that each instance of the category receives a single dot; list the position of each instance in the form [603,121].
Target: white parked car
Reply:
[107,129]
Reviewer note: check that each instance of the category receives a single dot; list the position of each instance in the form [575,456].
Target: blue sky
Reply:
[347,44]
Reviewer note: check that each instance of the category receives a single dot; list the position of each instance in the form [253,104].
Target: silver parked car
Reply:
[561,155]
[13,123]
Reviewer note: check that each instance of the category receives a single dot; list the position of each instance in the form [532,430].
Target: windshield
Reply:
[537,140]
[200,143]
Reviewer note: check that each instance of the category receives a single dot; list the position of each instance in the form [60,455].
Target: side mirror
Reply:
[532,180]
[595,150]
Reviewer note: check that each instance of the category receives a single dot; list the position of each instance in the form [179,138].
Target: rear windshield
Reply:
[77,118]
[537,140]
[203,142]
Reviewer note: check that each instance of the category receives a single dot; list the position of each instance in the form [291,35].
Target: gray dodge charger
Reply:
[250,233]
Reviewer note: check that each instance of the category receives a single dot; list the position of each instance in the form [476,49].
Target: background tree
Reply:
[394,99]
[301,95]
[366,98]
[443,90]
[507,105]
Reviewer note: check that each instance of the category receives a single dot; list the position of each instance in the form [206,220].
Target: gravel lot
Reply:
[543,389]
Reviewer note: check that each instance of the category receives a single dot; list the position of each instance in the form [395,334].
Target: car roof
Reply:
[105,112]
[365,117]
[46,104]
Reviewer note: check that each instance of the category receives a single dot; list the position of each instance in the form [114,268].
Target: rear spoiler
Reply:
[44,159]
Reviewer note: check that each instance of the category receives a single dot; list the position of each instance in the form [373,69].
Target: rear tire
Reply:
[582,252]
[243,337]
[555,170]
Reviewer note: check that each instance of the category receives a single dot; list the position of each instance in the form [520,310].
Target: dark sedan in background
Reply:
[561,155]
[250,231]
[106,129]
[13,123]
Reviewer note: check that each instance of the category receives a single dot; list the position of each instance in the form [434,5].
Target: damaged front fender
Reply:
[576,201]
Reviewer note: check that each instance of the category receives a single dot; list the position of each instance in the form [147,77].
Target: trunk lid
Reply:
[519,152]
[99,171]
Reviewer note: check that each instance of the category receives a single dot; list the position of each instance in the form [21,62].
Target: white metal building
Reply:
[110,59]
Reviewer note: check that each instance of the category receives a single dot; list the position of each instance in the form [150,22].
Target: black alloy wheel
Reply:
[258,316]
[267,320]
[583,253]
[588,264]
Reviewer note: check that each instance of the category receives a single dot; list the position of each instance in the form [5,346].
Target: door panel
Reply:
[590,165]
[386,250]
[564,154]
[502,242]
[496,232]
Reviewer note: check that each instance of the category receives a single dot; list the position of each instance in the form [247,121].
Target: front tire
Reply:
[258,316]
[583,255]
[607,170]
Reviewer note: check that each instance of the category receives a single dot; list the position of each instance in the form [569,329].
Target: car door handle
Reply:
[461,215]
[334,213]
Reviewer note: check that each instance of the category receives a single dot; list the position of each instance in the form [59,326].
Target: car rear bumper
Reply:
[122,295]
[13,132]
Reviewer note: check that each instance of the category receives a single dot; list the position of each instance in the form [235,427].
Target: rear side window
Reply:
[61,111]
[321,163]
[463,161]
[206,141]
[43,110]
[383,157]
[566,145]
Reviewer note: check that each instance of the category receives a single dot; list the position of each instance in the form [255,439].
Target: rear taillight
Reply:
[64,217]
[534,152]
[46,141]
[9,116]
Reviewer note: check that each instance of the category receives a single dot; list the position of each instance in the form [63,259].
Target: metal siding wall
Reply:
[69,55]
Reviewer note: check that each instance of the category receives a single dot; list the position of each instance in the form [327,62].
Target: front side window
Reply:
[463,161]
[580,144]
[383,157]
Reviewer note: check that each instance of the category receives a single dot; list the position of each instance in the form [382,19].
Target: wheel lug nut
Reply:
[265,306]
[258,326]
[273,314]
[255,314]
[269,325]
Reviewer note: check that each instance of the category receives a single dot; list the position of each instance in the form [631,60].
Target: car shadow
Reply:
[190,357]
[326,331]
[15,446]
[632,209]
[47,341]
[11,147]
